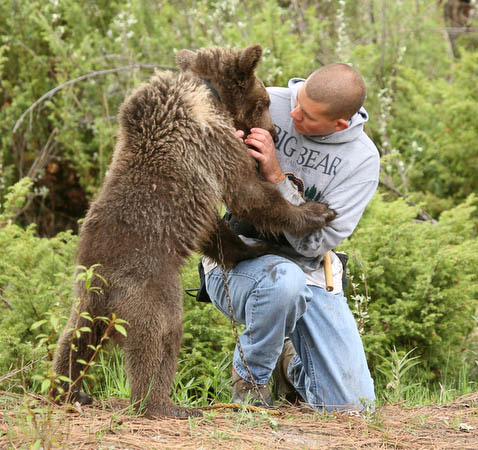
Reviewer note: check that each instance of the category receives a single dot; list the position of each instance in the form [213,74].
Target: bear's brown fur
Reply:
[177,158]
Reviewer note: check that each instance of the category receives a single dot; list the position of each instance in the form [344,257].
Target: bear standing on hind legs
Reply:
[176,159]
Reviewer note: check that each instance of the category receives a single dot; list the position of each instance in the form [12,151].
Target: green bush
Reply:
[208,334]
[35,279]
[46,44]
[434,128]
[422,281]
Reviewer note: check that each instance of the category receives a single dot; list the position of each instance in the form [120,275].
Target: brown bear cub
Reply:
[176,159]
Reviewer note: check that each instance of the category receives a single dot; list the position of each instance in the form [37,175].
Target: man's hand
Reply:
[264,152]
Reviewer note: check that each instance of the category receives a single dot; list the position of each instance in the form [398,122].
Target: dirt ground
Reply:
[107,426]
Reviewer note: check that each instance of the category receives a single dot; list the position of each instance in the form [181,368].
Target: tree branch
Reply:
[42,158]
[97,73]
[421,213]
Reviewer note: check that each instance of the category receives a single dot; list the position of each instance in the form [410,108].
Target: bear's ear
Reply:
[250,58]
[185,59]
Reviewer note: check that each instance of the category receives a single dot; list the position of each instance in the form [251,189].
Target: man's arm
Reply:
[349,199]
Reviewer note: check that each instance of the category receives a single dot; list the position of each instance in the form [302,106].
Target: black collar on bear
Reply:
[212,90]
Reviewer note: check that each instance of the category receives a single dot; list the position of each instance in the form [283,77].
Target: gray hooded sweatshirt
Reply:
[341,169]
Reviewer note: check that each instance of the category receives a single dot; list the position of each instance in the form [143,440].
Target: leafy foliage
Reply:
[35,279]
[421,278]
[208,334]
[443,144]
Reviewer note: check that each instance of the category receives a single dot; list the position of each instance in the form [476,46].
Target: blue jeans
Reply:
[270,296]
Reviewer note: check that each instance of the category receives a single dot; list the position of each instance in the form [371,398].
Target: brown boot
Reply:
[243,391]
[282,385]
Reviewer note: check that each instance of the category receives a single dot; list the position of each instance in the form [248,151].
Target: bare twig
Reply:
[4,300]
[18,147]
[364,278]
[422,214]
[29,366]
[390,186]
[97,73]
[301,24]
[42,158]
[238,406]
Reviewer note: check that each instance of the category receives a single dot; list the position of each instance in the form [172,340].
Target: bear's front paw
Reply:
[318,215]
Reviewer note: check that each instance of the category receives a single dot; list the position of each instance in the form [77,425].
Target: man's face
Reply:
[310,118]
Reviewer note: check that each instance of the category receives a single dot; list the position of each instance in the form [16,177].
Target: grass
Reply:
[419,390]
[107,426]
[405,382]
[189,389]
[45,426]
[110,370]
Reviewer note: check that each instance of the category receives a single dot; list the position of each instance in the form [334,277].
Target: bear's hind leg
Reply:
[152,348]
[227,249]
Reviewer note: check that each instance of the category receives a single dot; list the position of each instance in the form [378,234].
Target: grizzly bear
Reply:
[177,158]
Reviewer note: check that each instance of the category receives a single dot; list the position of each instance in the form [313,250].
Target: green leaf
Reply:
[45,385]
[86,315]
[38,324]
[120,321]
[120,329]
[64,378]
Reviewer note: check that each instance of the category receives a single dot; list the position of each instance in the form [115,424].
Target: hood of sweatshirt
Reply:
[338,137]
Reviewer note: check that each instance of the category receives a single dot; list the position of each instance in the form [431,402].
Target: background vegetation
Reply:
[413,257]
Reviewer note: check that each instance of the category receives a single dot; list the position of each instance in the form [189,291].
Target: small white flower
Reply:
[131,20]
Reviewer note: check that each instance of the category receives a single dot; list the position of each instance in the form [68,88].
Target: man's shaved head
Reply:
[340,87]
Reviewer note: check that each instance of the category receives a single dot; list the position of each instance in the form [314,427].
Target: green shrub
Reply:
[208,334]
[422,281]
[46,44]
[35,279]
[433,129]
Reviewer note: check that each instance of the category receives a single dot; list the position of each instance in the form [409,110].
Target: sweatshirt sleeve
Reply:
[349,199]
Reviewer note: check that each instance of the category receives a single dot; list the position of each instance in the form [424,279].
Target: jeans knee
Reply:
[289,286]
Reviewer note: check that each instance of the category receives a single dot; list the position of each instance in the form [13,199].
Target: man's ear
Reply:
[249,59]
[185,59]
[342,124]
